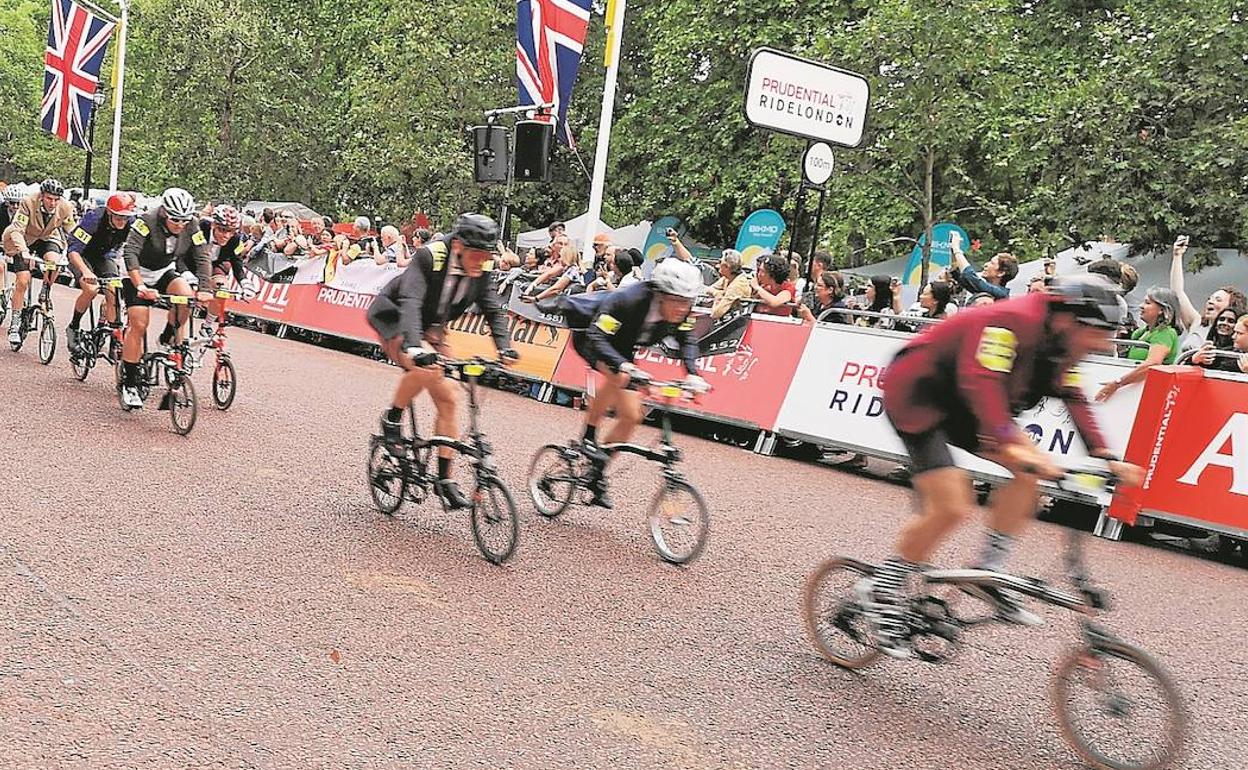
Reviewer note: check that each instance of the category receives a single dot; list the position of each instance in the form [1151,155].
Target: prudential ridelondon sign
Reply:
[792,95]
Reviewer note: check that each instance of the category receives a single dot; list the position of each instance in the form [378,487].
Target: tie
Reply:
[449,289]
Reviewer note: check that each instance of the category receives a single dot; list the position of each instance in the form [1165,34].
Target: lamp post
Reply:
[98,98]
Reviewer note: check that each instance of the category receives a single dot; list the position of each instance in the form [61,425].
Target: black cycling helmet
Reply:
[51,186]
[476,231]
[1092,299]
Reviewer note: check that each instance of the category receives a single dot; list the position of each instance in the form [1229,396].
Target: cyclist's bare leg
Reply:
[110,305]
[946,501]
[179,313]
[136,331]
[628,415]
[89,287]
[606,395]
[446,403]
[19,295]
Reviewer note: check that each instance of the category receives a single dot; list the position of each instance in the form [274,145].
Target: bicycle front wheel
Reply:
[834,619]
[1118,709]
[495,527]
[183,408]
[387,481]
[47,338]
[82,363]
[679,522]
[552,480]
[224,384]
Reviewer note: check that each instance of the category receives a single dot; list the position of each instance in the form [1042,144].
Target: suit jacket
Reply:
[411,303]
[612,324]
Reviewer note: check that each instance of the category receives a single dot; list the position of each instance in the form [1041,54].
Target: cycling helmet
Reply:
[121,204]
[51,186]
[226,217]
[1092,299]
[178,204]
[476,231]
[678,278]
[13,194]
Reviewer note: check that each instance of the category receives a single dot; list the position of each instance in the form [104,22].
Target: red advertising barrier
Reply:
[1191,437]
[746,386]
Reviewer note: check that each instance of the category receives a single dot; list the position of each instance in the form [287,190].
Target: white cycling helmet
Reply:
[178,204]
[678,278]
[14,193]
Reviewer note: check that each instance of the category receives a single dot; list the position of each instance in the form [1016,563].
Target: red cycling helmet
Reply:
[122,204]
[227,217]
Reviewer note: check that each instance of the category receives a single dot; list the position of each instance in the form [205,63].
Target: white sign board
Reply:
[817,163]
[797,96]
[835,396]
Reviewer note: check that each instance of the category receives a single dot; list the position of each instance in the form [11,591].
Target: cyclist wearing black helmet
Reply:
[37,232]
[445,278]
[960,384]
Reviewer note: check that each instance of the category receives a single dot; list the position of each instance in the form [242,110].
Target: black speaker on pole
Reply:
[533,142]
[489,144]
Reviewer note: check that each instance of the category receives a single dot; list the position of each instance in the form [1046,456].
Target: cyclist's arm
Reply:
[133,247]
[17,230]
[410,297]
[494,311]
[81,236]
[603,328]
[1085,422]
[236,262]
[688,345]
[202,262]
[985,361]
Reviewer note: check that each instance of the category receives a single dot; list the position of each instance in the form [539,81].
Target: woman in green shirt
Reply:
[1159,312]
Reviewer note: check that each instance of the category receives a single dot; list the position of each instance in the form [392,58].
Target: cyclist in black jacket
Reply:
[445,278]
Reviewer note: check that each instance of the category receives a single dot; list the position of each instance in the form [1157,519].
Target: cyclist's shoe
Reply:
[165,401]
[1008,605]
[15,336]
[206,331]
[593,452]
[166,336]
[598,494]
[884,610]
[71,341]
[391,430]
[130,397]
[452,497]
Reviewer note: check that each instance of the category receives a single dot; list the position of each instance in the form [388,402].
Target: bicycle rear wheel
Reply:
[552,480]
[387,480]
[1109,727]
[495,527]
[47,337]
[183,408]
[834,619]
[679,522]
[224,383]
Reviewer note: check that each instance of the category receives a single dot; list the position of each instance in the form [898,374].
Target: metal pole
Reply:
[86,177]
[616,24]
[511,165]
[797,216]
[814,239]
[117,97]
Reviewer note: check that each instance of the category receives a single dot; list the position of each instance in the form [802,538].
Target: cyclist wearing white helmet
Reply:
[609,328]
[37,233]
[157,241]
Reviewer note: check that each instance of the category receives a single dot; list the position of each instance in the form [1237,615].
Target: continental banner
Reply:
[540,345]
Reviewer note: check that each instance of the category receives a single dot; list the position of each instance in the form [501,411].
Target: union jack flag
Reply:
[77,40]
[550,36]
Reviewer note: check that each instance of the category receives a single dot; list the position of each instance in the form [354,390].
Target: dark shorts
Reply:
[223,269]
[100,264]
[580,343]
[131,292]
[37,250]
[930,450]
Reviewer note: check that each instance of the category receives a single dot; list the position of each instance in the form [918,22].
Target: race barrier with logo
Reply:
[821,384]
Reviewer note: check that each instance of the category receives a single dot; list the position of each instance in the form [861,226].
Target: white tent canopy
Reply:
[575,231]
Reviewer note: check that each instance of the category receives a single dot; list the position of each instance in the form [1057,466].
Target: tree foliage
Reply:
[1032,124]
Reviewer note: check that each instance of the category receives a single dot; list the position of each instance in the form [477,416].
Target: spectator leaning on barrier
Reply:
[568,280]
[1198,323]
[289,240]
[733,286]
[602,247]
[997,273]
[883,297]
[628,265]
[394,250]
[829,295]
[772,288]
[820,262]
[935,302]
[1223,337]
[1161,331]
[421,237]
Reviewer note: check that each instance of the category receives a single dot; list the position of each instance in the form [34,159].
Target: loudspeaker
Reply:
[489,144]
[533,143]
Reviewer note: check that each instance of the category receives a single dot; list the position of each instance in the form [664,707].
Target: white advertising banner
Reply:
[797,96]
[836,398]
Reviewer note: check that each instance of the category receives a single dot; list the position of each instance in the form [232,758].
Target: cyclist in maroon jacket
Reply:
[960,384]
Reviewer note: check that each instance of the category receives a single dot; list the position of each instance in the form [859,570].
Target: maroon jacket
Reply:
[984,366]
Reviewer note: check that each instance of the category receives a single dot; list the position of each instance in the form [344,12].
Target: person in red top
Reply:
[961,383]
[772,287]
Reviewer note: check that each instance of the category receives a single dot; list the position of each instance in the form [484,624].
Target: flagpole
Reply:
[117,95]
[615,31]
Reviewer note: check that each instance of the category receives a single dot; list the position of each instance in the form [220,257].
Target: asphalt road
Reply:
[232,599]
